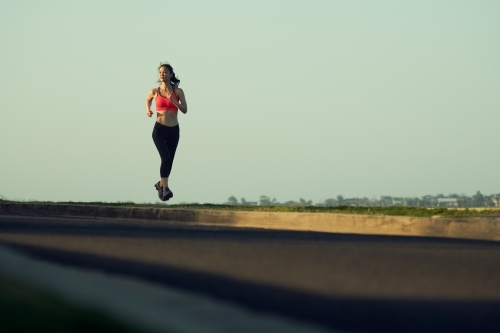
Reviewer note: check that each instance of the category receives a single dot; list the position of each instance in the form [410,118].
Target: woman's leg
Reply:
[166,140]
[162,147]
[172,141]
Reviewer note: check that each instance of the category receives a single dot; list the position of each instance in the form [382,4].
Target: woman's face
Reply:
[164,75]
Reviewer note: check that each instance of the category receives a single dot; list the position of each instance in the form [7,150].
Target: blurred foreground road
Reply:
[347,282]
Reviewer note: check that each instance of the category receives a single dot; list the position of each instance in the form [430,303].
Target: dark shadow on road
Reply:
[350,314]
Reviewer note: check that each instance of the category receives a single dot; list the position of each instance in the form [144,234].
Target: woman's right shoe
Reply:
[167,194]
[160,191]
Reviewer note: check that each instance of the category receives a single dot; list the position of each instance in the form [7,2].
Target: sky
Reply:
[289,99]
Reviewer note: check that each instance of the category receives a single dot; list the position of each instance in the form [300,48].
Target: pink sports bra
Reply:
[165,104]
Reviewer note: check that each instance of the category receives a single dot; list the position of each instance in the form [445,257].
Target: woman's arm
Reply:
[182,105]
[149,100]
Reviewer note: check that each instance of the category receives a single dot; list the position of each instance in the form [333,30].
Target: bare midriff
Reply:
[167,118]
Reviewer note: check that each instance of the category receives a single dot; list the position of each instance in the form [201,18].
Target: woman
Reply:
[169,99]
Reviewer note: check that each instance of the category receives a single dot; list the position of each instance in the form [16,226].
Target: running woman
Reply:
[169,99]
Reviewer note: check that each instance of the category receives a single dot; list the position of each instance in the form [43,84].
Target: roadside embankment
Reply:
[481,227]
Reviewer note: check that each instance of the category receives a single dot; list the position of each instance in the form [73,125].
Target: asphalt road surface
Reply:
[355,283]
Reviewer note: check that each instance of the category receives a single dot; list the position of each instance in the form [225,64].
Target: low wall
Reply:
[484,227]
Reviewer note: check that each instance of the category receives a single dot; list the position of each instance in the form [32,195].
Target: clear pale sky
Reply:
[287,99]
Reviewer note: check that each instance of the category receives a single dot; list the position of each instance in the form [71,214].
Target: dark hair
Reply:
[173,80]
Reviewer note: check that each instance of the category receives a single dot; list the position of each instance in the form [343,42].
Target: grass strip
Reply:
[391,211]
[27,309]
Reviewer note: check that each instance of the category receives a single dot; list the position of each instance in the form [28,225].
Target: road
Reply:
[356,283]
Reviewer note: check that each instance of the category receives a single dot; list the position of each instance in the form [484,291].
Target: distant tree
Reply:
[439,196]
[243,202]
[478,199]
[427,200]
[330,202]
[265,201]
[305,203]
[340,199]
[364,201]
[232,200]
[464,201]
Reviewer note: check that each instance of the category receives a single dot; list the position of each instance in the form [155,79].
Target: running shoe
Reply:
[167,194]
[160,191]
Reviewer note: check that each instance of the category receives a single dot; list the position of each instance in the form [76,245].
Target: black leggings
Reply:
[166,139]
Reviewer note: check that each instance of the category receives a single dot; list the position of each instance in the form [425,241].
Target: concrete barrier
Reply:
[483,228]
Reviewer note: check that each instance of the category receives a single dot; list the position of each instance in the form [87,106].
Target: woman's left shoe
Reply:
[160,191]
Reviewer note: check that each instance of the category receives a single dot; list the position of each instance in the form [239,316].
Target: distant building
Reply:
[350,202]
[493,200]
[248,203]
[398,202]
[447,202]
[496,200]
[386,201]
[293,203]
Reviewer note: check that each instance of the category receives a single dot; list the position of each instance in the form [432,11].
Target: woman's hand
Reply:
[149,113]
[171,97]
